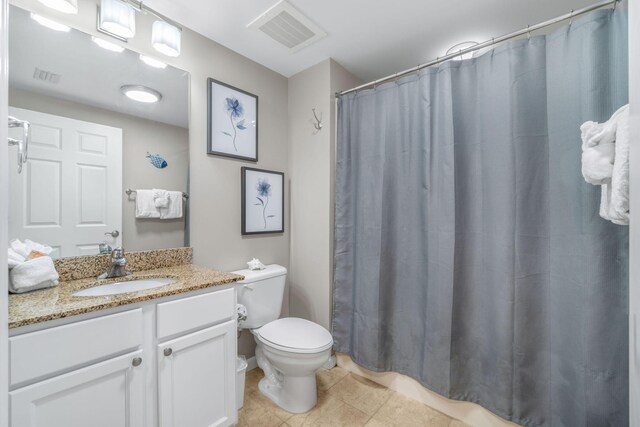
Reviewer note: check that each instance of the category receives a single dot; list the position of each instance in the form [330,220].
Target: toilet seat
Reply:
[295,335]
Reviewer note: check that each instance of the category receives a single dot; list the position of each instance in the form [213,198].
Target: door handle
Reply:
[114,233]
[23,146]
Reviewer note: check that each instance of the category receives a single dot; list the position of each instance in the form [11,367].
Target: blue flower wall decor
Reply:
[264,191]
[235,110]
[232,122]
[262,201]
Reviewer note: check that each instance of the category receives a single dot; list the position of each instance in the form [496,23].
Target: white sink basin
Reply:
[124,287]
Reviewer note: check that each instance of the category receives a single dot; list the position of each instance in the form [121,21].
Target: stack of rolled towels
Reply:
[30,267]
[605,162]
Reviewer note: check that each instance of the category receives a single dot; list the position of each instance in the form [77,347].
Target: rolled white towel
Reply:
[14,259]
[597,163]
[38,273]
[160,198]
[39,247]
[19,248]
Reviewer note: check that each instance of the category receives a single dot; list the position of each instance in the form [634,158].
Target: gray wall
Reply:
[138,137]
[311,162]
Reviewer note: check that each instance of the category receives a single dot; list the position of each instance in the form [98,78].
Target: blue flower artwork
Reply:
[234,108]
[264,192]
[232,123]
[262,201]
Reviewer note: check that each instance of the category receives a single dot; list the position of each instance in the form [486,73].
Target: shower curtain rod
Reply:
[488,43]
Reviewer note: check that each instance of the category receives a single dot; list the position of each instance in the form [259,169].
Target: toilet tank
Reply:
[261,292]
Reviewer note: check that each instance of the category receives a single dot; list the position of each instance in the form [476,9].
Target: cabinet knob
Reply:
[168,351]
[137,361]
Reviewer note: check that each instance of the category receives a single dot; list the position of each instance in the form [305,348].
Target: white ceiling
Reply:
[371,38]
[95,79]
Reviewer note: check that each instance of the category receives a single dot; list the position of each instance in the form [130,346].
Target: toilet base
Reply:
[294,394]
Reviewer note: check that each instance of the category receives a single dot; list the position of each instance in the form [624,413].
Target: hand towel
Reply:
[38,273]
[145,205]
[174,210]
[160,198]
[619,201]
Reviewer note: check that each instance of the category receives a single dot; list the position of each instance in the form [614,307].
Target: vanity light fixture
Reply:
[461,46]
[107,45]
[49,23]
[141,93]
[152,62]
[64,6]
[166,38]
[117,18]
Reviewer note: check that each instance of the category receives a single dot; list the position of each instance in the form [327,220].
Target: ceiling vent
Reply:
[286,25]
[46,76]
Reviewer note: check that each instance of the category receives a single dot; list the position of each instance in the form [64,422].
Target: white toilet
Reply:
[289,350]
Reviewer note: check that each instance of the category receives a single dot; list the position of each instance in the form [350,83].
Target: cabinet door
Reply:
[107,394]
[196,378]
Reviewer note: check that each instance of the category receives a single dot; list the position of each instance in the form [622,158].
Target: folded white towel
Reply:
[19,248]
[614,195]
[145,205]
[38,273]
[19,252]
[619,204]
[174,210]
[160,198]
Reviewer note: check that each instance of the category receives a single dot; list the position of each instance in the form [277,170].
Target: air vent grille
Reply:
[289,27]
[46,76]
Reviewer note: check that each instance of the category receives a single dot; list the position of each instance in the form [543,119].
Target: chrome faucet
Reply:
[118,265]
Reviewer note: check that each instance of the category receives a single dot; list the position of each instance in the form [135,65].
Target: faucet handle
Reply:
[117,252]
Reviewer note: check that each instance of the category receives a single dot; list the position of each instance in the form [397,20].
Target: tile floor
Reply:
[344,399]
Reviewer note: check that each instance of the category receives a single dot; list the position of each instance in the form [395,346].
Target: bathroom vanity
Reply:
[157,357]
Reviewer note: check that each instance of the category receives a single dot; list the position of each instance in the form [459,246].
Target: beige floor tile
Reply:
[254,414]
[329,411]
[361,393]
[402,411]
[326,378]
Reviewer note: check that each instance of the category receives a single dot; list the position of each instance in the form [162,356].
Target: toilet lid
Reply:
[295,333]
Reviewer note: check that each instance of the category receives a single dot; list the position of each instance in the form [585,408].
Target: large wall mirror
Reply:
[92,139]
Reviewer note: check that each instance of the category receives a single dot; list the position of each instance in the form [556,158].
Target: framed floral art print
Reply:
[262,201]
[232,122]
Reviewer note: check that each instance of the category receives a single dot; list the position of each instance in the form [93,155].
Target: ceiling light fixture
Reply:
[117,18]
[166,38]
[52,25]
[64,6]
[141,93]
[107,45]
[152,62]
[462,46]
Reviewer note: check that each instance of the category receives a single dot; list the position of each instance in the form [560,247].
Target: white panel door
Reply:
[107,394]
[70,191]
[196,378]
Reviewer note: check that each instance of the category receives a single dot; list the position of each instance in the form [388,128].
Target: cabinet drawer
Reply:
[194,312]
[40,354]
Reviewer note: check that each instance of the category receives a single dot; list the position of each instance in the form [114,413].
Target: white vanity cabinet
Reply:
[167,363]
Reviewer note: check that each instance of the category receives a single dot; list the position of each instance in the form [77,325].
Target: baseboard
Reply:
[467,412]
[252,363]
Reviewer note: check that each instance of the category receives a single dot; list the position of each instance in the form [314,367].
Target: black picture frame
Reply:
[214,137]
[247,228]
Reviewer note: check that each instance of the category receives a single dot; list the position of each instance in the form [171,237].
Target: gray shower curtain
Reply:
[469,253]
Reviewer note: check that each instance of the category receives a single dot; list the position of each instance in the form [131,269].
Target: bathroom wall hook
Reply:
[318,121]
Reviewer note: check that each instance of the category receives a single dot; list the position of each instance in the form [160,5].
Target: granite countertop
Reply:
[58,302]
